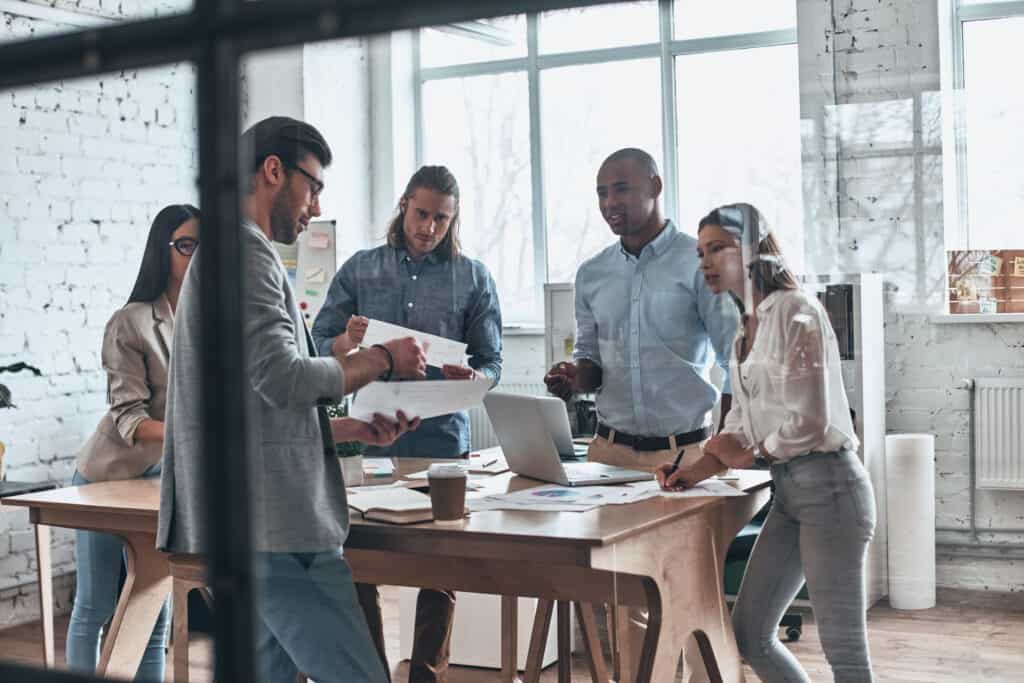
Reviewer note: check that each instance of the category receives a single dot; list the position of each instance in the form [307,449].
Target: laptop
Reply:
[534,435]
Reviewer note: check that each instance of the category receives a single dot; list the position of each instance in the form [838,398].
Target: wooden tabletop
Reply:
[130,496]
[599,526]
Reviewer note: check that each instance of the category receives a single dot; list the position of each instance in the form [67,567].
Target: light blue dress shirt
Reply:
[654,327]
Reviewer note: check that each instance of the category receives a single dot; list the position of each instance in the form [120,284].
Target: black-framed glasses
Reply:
[316,186]
[186,246]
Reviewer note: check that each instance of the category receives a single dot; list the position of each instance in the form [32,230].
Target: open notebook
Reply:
[395,504]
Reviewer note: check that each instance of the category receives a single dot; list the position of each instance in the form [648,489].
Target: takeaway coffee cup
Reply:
[447,492]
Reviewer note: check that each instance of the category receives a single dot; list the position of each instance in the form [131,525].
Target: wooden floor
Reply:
[968,637]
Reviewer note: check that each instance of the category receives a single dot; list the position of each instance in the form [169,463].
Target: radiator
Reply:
[481,431]
[999,433]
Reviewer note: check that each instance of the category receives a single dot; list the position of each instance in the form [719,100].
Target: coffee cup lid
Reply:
[444,470]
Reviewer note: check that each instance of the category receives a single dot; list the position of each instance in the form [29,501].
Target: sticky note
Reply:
[319,240]
[315,276]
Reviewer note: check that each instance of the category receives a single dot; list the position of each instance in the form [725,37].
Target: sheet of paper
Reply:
[439,351]
[318,240]
[423,399]
[555,498]
[708,487]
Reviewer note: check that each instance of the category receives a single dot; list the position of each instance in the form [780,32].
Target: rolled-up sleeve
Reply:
[339,306]
[483,329]
[128,390]
[281,375]
[721,320]
[586,347]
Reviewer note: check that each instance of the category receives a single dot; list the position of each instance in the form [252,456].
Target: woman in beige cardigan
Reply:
[128,442]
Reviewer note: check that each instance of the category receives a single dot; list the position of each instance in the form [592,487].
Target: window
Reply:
[986,194]
[525,111]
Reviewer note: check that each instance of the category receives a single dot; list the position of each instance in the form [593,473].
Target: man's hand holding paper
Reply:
[440,351]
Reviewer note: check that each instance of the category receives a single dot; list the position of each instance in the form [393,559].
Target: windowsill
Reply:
[976,318]
[523,330]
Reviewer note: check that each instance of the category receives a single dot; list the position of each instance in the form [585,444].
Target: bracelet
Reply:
[391,361]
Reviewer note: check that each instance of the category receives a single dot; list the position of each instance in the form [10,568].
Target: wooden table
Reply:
[666,555]
[129,510]
[17,488]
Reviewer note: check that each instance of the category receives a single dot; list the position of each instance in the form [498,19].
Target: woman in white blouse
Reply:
[789,413]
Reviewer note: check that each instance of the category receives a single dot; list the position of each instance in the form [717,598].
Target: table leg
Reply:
[509,638]
[685,562]
[145,590]
[44,576]
[538,640]
[564,650]
[591,642]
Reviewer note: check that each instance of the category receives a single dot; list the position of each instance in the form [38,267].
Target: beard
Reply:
[284,226]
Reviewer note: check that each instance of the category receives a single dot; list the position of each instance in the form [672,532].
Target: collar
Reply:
[769,301]
[162,309]
[403,255]
[660,244]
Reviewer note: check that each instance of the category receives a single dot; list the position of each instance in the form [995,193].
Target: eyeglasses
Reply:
[186,246]
[316,186]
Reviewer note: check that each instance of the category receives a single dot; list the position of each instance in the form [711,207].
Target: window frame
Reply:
[665,50]
[953,16]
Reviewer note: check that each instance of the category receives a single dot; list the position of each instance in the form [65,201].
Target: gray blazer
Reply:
[136,348]
[297,494]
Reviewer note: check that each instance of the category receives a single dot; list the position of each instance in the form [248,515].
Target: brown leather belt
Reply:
[651,443]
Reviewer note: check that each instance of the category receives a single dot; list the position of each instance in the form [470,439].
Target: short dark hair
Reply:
[156,258]
[438,179]
[289,139]
[636,154]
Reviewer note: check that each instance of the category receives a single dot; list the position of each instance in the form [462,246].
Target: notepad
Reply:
[390,504]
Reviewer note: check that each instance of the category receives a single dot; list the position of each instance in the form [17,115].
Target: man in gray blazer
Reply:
[308,615]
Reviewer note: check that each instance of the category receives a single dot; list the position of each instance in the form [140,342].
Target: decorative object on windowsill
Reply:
[350,453]
[6,400]
[980,279]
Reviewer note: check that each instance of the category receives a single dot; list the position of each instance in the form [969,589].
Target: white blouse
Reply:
[788,392]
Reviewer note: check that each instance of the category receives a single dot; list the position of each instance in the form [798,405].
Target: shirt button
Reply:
[409,304]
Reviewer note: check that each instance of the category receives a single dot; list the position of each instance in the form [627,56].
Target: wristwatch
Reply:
[761,461]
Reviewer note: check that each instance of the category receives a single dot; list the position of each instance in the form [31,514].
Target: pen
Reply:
[489,463]
[675,465]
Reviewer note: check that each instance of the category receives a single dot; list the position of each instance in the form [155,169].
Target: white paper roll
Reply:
[910,502]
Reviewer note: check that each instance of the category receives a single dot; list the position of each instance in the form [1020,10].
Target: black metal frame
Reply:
[214,36]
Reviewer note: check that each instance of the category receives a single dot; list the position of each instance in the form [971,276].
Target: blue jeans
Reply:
[99,568]
[309,620]
[818,528]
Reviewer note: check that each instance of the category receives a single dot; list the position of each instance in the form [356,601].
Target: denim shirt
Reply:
[653,325]
[456,299]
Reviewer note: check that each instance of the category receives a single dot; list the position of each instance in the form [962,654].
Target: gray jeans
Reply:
[819,527]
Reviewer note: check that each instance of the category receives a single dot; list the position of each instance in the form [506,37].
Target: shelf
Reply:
[977,318]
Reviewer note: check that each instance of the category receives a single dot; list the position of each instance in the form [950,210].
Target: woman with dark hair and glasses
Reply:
[128,443]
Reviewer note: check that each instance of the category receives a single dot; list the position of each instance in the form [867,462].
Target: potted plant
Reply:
[350,453]
[6,400]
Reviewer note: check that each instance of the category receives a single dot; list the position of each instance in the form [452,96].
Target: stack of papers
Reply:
[423,399]
[555,498]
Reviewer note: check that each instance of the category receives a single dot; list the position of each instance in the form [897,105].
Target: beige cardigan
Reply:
[136,350]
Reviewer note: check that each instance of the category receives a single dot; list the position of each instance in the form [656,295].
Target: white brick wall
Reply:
[84,167]
[873,193]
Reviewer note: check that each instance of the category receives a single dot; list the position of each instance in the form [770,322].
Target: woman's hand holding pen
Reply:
[674,478]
